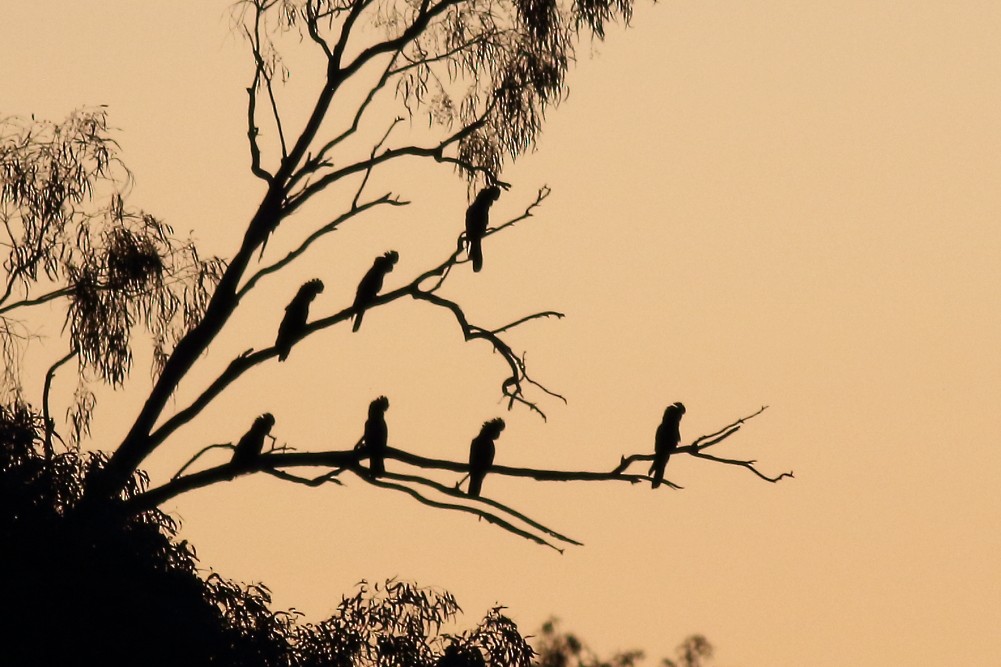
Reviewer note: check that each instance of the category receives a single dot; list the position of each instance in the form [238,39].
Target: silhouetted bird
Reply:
[252,443]
[668,437]
[376,435]
[370,285]
[296,314]
[477,219]
[481,454]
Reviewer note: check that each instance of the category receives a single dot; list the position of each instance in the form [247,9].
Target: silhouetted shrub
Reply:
[83,583]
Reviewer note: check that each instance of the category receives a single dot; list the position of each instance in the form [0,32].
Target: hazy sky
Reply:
[783,203]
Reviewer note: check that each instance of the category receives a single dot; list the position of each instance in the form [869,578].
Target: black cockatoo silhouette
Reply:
[296,314]
[252,443]
[370,285]
[477,219]
[668,437]
[481,454]
[377,435]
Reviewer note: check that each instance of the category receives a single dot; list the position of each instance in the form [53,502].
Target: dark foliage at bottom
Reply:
[84,583]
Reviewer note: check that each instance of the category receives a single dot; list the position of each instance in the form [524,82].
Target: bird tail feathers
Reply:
[475,485]
[476,254]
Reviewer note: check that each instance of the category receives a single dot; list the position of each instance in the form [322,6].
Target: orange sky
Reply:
[793,204]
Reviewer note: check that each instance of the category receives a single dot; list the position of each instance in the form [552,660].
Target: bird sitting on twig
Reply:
[296,315]
[667,439]
[477,219]
[251,445]
[481,454]
[371,283]
[377,435]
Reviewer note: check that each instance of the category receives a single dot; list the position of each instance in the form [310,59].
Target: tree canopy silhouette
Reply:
[556,647]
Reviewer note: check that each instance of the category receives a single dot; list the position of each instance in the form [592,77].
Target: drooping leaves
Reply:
[70,235]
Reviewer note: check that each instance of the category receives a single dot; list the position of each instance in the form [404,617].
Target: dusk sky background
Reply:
[757,202]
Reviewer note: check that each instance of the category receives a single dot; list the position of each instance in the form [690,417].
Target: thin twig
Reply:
[451,491]
[486,516]
[375,149]
[198,455]
[45,298]
[308,481]
[252,130]
[744,464]
[322,231]
[46,414]
[740,421]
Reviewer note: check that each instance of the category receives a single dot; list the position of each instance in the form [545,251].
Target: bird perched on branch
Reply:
[481,454]
[376,435]
[252,443]
[296,314]
[668,437]
[370,285]
[477,219]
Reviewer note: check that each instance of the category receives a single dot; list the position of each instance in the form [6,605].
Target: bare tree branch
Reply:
[312,21]
[318,161]
[262,72]
[737,424]
[527,318]
[44,298]
[251,358]
[454,51]
[456,493]
[537,474]
[510,387]
[437,153]
[486,516]
[227,471]
[745,464]
[46,392]
[375,149]
[198,455]
[253,131]
[326,477]
[322,231]
[350,459]
[424,17]
[277,460]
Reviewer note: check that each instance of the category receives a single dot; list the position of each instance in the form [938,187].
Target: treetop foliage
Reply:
[492,67]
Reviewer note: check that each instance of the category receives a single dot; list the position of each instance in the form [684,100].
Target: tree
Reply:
[482,72]
[113,588]
[559,648]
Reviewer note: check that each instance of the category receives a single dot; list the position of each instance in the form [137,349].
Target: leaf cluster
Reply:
[69,236]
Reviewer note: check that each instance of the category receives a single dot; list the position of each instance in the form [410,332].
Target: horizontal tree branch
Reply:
[44,298]
[277,461]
